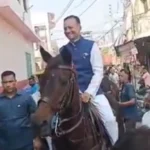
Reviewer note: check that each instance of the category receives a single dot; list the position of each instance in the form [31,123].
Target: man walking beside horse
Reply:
[88,63]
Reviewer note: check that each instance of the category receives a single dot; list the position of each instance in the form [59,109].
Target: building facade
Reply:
[137,19]
[43,29]
[16,39]
[136,28]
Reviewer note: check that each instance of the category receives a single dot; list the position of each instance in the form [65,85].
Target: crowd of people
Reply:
[133,83]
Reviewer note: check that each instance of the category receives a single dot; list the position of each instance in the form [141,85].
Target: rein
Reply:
[64,132]
[58,124]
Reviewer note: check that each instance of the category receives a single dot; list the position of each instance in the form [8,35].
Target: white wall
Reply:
[12,50]
[19,10]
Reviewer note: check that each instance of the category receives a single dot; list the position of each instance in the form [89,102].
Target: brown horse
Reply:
[61,114]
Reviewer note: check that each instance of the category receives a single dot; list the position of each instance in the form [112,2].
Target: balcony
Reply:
[12,13]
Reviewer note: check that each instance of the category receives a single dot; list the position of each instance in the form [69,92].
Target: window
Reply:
[25,5]
[28,64]
[145,4]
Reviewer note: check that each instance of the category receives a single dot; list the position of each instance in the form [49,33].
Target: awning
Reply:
[8,14]
[121,39]
[142,35]
[127,49]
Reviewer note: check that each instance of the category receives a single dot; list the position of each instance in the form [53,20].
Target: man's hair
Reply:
[73,17]
[7,73]
[137,139]
[128,72]
[31,78]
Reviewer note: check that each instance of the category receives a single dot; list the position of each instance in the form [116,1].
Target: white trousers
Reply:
[108,117]
[146,120]
[49,142]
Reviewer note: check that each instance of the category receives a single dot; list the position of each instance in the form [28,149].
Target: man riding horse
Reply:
[61,114]
[88,63]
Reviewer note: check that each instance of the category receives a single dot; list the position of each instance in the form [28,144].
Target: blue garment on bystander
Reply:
[15,126]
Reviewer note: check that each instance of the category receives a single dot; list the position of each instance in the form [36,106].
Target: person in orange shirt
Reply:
[146,77]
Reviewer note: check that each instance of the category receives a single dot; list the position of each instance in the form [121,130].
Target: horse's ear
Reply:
[66,55]
[45,55]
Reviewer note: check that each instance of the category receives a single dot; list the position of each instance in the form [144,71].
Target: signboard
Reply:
[128,52]
[128,49]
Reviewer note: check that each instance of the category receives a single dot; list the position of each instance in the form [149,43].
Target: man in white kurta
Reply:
[88,62]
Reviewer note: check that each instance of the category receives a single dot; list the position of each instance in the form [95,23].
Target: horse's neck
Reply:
[75,105]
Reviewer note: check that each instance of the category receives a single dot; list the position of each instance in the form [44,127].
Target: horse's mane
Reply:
[98,127]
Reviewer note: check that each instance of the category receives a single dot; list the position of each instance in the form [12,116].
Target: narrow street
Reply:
[75,75]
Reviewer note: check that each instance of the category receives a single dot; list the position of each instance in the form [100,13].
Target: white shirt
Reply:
[97,67]
[114,78]
[36,96]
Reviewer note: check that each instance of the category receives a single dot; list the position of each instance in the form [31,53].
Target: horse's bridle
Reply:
[46,99]
[69,91]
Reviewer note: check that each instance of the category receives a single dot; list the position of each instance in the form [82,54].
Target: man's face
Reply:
[123,76]
[72,29]
[31,82]
[9,83]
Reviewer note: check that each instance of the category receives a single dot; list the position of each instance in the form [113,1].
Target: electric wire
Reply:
[65,10]
[78,5]
[100,37]
[88,7]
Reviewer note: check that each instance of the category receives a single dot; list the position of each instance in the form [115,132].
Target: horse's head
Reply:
[56,86]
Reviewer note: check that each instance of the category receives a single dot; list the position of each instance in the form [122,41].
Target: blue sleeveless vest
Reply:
[81,54]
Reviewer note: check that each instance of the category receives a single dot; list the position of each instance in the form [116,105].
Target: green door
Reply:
[28,64]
